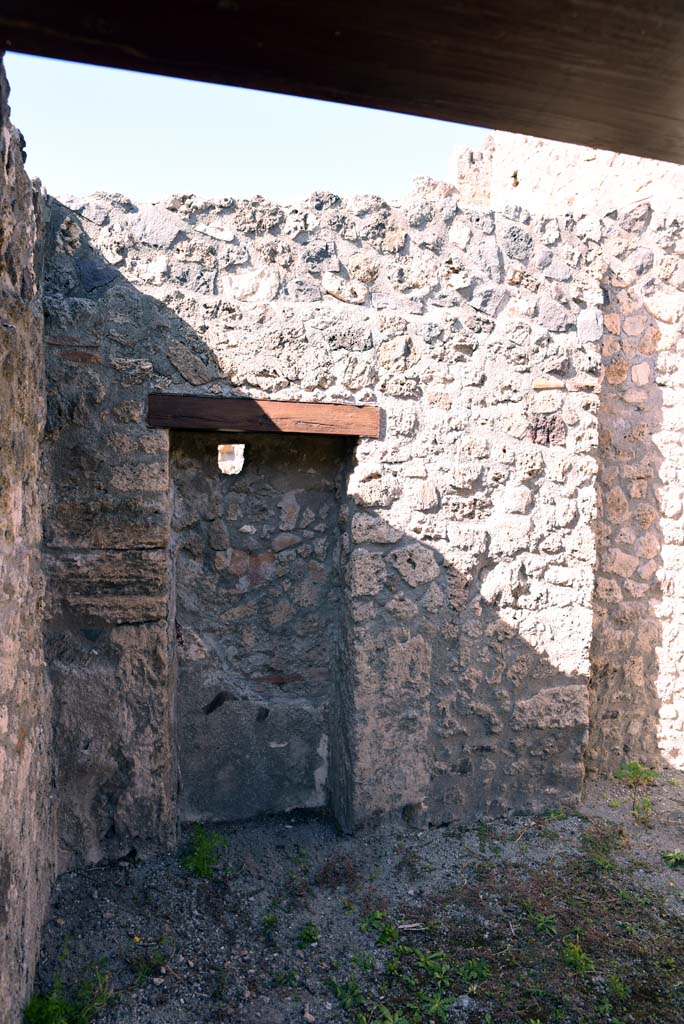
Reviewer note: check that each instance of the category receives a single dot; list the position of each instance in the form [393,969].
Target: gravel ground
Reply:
[573,918]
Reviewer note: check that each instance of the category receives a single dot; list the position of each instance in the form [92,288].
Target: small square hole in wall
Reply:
[231,458]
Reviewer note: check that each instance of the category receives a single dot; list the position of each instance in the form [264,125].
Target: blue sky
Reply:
[90,128]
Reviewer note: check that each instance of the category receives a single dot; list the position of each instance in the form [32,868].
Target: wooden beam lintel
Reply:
[204,412]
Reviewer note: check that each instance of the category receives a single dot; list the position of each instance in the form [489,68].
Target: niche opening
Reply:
[231,458]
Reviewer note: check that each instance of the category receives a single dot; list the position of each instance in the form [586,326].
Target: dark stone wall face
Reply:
[26,833]
[258,637]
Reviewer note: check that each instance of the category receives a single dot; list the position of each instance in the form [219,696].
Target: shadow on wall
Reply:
[296,639]
[438,707]
[258,619]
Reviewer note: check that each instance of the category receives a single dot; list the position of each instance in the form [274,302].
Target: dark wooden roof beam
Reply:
[237,415]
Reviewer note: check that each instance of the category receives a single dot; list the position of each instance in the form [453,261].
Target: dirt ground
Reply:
[574,918]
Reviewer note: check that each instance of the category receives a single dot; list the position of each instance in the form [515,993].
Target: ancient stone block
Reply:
[190,367]
[589,325]
[561,707]
[416,564]
[260,285]
[621,563]
[367,571]
[547,430]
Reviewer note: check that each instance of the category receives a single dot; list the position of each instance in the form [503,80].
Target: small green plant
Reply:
[642,811]
[220,989]
[348,993]
[473,971]
[50,1008]
[269,924]
[145,963]
[617,989]
[556,814]
[436,965]
[486,835]
[384,1016]
[309,934]
[574,957]
[202,856]
[601,841]
[432,1006]
[285,979]
[673,858]
[386,932]
[301,858]
[372,921]
[544,924]
[364,961]
[638,777]
[56,1007]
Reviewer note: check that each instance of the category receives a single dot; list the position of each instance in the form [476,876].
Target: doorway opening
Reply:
[259,622]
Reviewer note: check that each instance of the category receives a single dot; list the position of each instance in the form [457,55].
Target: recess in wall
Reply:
[231,458]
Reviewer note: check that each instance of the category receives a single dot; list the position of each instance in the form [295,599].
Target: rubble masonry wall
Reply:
[26,834]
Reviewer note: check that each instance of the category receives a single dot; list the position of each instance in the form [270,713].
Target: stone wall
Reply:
[638,646]
[554,178]
[26,841]
[107,528]
[629,218]
[258,621]
[452,620]
[467,529]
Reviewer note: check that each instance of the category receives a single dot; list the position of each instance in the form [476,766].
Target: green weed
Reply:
[544,924]
[386,932]
[617,989]
[638,777]
[56,1007]
[348,993]
[285,979]
[673,858]
[436,965]
[372,921]
[432,1006]
[386,1016]
[146,963]
[642,811]
[574,957]
[309,934]
[473,971]
[601,841]
[202,856]
[364,961]
[269,924]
